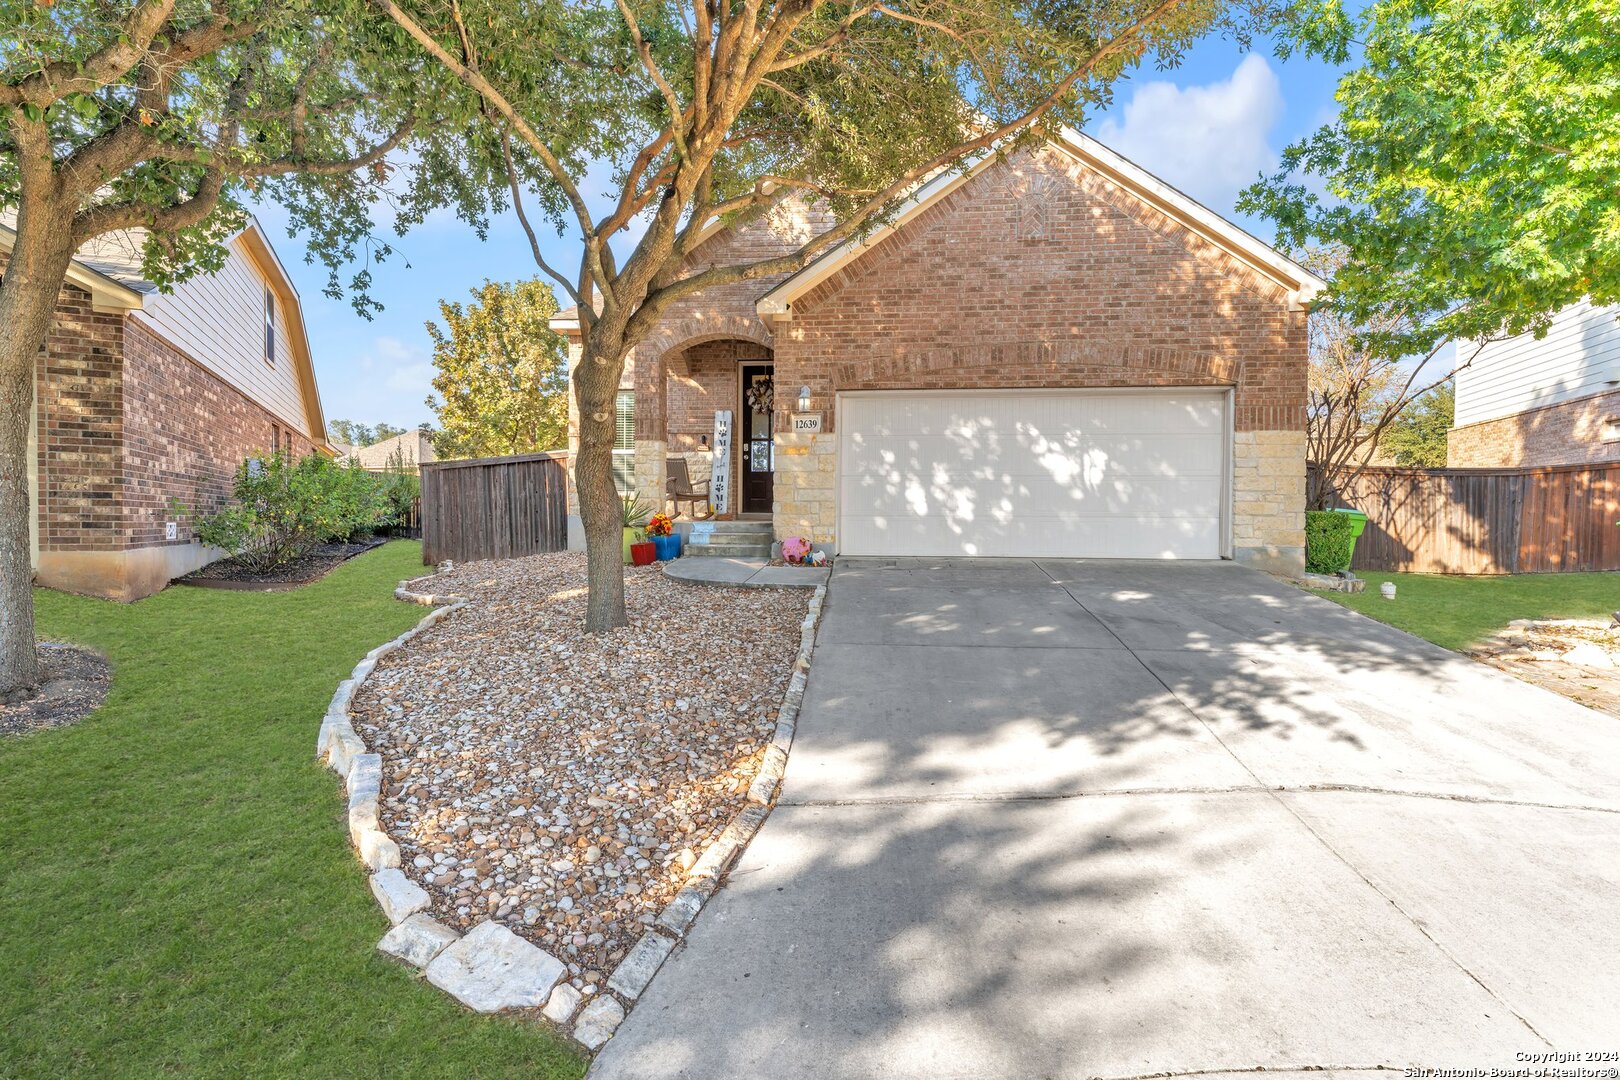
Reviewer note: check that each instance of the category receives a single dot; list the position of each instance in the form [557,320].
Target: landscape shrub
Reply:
[283,508]
[1327,541]
[401,487]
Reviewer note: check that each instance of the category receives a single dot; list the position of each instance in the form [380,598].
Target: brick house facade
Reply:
[1529,401]
[1581,432]
[1063,268]
[127,422]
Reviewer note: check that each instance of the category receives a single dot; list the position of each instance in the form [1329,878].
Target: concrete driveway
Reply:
[1059,819]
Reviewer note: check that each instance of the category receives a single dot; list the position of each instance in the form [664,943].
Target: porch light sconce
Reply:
[804,399]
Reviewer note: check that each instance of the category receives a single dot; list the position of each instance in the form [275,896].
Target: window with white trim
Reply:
[624,439]
[269,327]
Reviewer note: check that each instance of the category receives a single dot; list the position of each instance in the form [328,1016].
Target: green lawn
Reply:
[177,893]
[1456,612]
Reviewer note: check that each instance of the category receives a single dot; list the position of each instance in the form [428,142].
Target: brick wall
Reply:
[1037,272]
[1569,433]
[79,391]
[185,432]
[124,422]
[1095,290]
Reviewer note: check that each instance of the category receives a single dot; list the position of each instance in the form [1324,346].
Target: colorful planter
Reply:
[631,536]
[643,554]
[668,547]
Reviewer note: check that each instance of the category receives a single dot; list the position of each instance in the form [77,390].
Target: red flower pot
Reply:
[643,554]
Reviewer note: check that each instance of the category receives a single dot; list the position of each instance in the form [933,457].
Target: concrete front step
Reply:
[733,528]
[727,550]
[730,539]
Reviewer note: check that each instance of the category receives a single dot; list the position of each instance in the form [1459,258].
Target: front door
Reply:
[758,451]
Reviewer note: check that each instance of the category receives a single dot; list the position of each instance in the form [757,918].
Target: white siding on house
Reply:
[218,319]
[1580,356]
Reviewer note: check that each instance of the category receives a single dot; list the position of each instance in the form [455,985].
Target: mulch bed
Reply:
[230,574]
[73,684]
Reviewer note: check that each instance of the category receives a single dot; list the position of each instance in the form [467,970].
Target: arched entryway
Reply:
[700,378]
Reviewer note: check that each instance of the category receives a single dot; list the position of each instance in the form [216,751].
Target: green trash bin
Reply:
[1358,524]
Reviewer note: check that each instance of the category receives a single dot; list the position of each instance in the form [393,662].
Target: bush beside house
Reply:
[1328,541]
[284,508]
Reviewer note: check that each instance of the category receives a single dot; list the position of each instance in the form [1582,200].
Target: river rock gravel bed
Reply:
[563,783]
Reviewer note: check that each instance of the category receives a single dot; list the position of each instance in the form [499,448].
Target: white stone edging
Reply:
[490,968]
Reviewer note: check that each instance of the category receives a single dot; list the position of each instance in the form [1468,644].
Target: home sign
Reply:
[720,474]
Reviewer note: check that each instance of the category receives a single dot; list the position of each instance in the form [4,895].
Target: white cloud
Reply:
[401,366]
[1210,141]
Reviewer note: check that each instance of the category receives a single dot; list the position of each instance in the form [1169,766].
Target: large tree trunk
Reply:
[596,382]
[28,294]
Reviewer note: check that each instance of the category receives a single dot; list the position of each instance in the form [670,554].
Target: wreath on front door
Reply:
[761,395]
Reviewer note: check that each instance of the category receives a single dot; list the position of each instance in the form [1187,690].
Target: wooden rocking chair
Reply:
[679,487]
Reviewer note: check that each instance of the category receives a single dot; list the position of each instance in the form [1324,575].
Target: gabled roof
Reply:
[109,281]
[1300,284]
[256,246]
[108,267]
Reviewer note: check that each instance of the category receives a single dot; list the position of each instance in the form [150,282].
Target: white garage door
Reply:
[1053,473]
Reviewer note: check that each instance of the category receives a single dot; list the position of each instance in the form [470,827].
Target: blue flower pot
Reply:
[667,547]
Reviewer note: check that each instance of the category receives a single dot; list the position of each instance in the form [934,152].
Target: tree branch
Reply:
[523,219]
[107,65]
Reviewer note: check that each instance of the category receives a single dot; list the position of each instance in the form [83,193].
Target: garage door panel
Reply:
[1109,475]
[1177,454]
[1134,537]
[926,494]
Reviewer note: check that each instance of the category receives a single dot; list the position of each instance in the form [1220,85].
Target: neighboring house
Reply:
[144,397]
[413,448]
[1553,401]
[1053,355]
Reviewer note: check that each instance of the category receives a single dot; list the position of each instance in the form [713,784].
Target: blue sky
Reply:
[1209,127]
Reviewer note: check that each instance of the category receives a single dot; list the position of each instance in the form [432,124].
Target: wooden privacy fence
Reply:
[494,508]
[1487,521]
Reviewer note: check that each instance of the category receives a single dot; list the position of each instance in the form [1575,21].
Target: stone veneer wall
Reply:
[1039,272]
[1568,433]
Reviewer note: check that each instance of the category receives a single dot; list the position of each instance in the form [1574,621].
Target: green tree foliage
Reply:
[164,120]
[502,381]
[1470,174]
[1327,541]
[710,111]
[1417,437]
[356,434]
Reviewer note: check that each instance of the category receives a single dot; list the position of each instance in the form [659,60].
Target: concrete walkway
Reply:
[1119,819]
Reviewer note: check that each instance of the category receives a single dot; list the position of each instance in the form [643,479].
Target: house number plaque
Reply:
[806,423]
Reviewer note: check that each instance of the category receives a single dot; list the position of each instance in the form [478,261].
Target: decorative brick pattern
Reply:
[1569,433]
